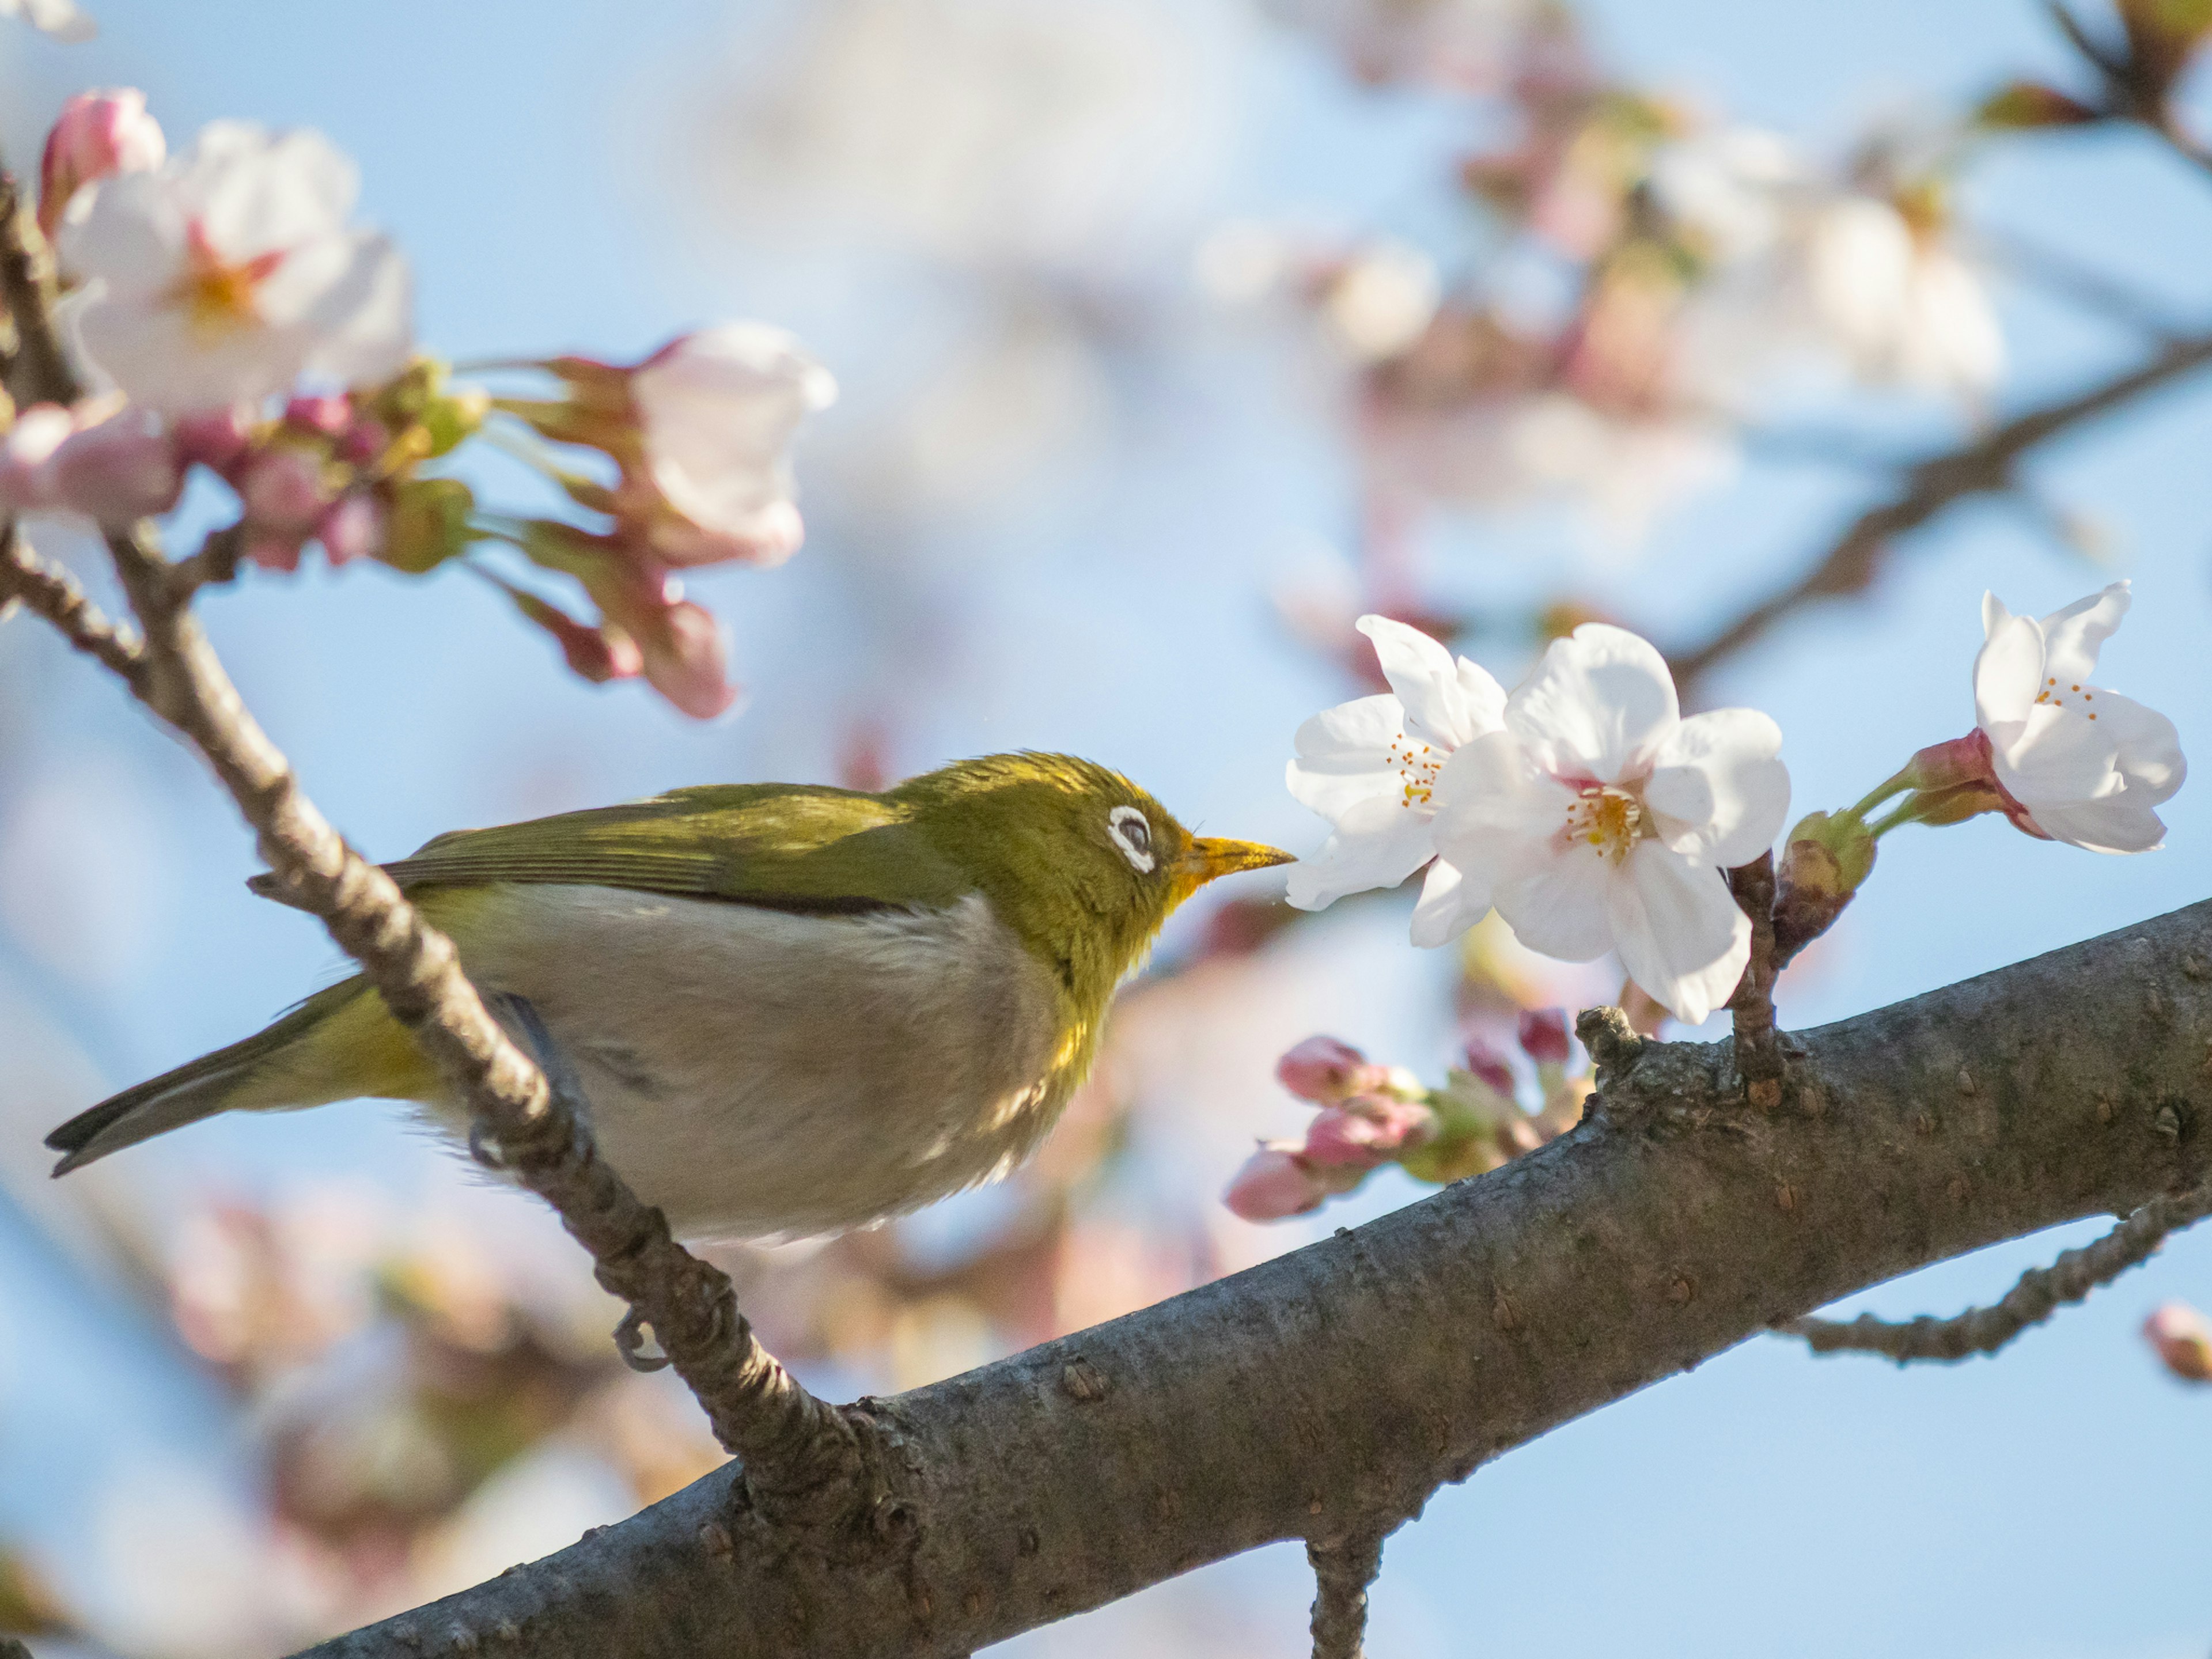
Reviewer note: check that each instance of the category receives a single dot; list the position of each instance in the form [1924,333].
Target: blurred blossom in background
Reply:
[1169,339]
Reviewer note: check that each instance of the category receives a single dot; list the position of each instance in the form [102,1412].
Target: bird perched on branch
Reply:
[791,1008]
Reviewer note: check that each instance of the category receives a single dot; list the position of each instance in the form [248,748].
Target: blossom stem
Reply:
[1896,785]
[1906,811]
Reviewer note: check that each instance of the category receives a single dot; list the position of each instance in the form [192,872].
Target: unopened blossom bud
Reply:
[215,439]
[330,414]
[118,470]
[426,523]
[598,654]
[353,528]
[1827,857]
[2183,1338]
[1322,1070]
[98,135]
[1947,765]
[1544,1036]
[2027,104]
[365,439]
[283,494]
[1485,1062]
[1273,1183]
[1367,1130]
[26,454]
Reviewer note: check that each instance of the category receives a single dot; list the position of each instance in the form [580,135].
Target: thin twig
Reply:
[1758,1051]
[2040,1293]
[1853,561]
[48,591]
[40,371]
[1343,1568]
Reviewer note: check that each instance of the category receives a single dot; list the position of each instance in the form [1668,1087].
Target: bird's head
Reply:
[1083,866]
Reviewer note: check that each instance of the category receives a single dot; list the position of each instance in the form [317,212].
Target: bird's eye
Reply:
[1133,833]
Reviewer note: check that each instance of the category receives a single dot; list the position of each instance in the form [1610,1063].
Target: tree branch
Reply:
[48,591]
[2040,1293]
[1855,559]
[1758,1050]
[38,371]
[1343,1569]
[1345,1380]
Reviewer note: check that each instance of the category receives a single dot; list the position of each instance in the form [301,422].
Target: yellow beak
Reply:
[1210,858]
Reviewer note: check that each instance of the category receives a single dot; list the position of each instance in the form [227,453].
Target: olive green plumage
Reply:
[795,1007]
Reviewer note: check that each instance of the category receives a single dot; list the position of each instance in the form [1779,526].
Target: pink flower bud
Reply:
[215,439]
[2183,1338]
[283,490]
[1273,1182]
[1367,1130]
[1544,1036]
[1322,1070]
[1947,765]
[329,414]
[364,441]
[99,135]
[119,471]
[353,528]
[686,661]
[1484,1062]
[275,552]
[598,654]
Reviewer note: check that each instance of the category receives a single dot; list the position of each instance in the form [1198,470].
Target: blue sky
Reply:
[542,165]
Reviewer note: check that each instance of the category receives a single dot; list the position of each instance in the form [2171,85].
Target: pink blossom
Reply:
[217,439]
[1368,1130]
[97,136]
[329,415]
[1273,1183]
[112,467]
[1324,1071]
[353,528]
[1544,1036]
[283,494]
[598,654]
[1483,1062]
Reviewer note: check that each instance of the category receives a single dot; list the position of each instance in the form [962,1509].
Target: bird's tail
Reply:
[337,1044]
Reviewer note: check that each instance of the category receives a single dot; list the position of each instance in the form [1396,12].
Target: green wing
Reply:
[783,847]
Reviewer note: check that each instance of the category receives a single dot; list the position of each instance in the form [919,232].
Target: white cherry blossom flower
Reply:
[2082,764]
[718,409]
[60,18]
[230,272]
[97,136]
[1369,767]
[1598,820]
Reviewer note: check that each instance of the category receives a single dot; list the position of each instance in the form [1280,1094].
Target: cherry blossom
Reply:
[97,136]
[1274,1182]
[113,465]
[718,409]
[1597,819]
[231,272]
[2073,761]
[1370,767]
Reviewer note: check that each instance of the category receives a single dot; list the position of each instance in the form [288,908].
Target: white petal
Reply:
[1555,903]
[1679,931]
[1344,755]
[363,325]
[127,231]
[2117,779]
[2117,823]
[1596,707]
[2057,756]
[2008,669]
[1495,811]
[1447,702]
[1378,844]
[2072,637]
[254,192]
[1451,904]
[1718,786]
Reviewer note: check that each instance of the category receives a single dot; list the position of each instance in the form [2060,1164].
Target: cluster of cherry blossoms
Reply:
[1374,1114]
[228,315]
[1647,277]
[1595,817]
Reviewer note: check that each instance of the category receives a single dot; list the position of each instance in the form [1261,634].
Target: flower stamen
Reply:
[219,297]
[1417,766]
[1608,820]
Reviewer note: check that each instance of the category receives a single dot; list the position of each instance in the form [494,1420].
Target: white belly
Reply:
[756,1073]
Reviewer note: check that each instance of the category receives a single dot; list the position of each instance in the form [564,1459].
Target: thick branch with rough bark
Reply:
[1326,1393]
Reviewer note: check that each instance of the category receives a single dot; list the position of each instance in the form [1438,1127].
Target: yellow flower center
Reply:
[1417,764]
[2063,697]
[1607,820]
[219,296]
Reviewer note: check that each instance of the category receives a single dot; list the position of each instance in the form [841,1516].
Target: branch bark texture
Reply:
[1342,1383]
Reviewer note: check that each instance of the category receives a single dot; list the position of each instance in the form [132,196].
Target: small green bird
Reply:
[793,1008]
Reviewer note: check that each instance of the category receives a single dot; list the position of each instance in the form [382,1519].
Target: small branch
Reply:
[1855,559]
[44,588]
[2040,1293]
[1343,1568]
[1758,1051]
[40,372]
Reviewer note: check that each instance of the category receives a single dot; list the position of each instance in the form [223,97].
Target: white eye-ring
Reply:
[1132,834]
